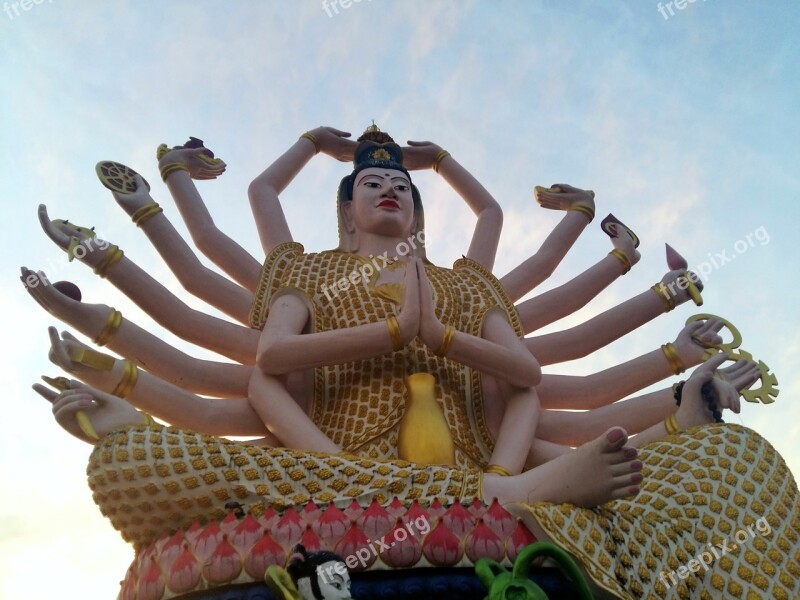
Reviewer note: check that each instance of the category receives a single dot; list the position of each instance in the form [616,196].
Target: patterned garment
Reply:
[359,404]
[718,517]
[148,479]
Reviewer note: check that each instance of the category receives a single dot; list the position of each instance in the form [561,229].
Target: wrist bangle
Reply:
[439,158]
[171,168]
[677,391]
[112,256]
[91,358]
[145,213]
[394,333]
[109,331]
[312,138]
[623,258]
[497,470]
[447,340]
[675,362]
[671,424]
[129,378]
[582,208]
[662,292]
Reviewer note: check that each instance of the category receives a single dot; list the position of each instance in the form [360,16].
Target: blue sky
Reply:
[686,127]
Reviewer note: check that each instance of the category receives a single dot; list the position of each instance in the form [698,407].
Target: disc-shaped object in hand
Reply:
[117,177]
[607,225]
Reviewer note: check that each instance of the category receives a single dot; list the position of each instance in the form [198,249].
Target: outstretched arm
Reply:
[234,341]
[609,385]
[195,277]
[579,205]
[222,250]
[124,337]
[265,189]
[161,399]
[576,293]
[601,330]
[483,247]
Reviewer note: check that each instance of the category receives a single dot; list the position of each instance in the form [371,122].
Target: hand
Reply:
[693,409]
[48,297]
[409,316]
[196,160]
[65,234]
[130,203]
[566,198]
[675,282]
[63,348]
[623,242]
[420,155]
[334,143]
[695,338]
[107,413]
[431,330]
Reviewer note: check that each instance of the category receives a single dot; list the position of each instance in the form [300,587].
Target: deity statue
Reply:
[370,374]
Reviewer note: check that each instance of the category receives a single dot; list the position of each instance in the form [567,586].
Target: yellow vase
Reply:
[424,436]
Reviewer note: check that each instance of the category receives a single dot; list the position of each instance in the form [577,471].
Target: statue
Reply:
[323,384]
[311,576]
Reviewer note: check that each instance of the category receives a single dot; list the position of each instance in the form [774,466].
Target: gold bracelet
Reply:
[447,340]
[129,378]
[145,213]
[439,158]
[147,419]
[169,169]
[497,470]
[394,333]
[671,424]
[110,330]
[112,256]
[313,139]
[662,292]
[91,358]
[623,258]
[675,362]
[587,210]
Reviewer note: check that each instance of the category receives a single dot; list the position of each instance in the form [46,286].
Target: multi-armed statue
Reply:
[373,377]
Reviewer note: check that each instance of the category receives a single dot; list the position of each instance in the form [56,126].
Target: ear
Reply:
[347,216]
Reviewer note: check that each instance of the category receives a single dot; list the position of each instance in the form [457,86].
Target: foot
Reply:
[601,470]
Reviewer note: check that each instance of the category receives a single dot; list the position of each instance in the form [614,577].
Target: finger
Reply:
[59,350]
[59,237]
[708,367]
[45,392]
[69,337]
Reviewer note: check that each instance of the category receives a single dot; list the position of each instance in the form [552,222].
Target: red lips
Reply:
[388,204]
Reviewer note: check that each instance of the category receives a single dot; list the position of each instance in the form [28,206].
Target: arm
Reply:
[576,293]
[541,265]
[504,358]
[606,327]
[486,236]
[195,277]
[235,342]
[265,189]
[162,399]
[130,340]
[213,243]
[609,385]
[284,348]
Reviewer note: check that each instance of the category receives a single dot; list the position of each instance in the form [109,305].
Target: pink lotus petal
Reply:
[289,528]
[403,550]
[459,520]
[499,520]
[520,538]
[151,583]
[247,533]
[224,565]
[265,552]
[206,542]
[375,521]
[351,543]
[332,525]
[484,543]
[311,512]
[184,574]
[442,547]
[675,260]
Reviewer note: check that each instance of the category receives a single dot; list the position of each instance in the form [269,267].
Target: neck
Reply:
[377,245]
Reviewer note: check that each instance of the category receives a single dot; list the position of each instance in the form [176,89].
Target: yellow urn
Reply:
[424,436]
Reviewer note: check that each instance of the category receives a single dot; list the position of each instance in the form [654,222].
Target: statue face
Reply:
[333,579]
[382,203]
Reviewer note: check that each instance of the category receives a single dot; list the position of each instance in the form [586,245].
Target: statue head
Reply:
[319,575]
[378,169]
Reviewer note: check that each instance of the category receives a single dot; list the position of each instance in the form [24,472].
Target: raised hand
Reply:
[130,203]
[625,243]
[420,155]
[676,287]
[693,409]
[105,412]
[696,337]
[561,196]
[68,236]
[200,165]
[334,143]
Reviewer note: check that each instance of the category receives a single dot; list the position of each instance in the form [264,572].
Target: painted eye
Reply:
[372,184]
[402,187]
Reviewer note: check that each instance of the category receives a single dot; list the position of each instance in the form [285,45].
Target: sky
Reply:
[682,116]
